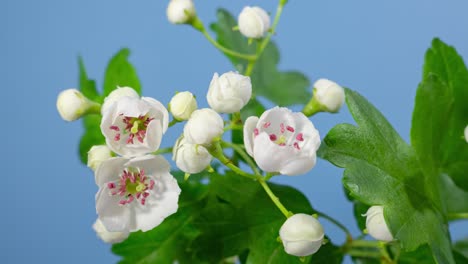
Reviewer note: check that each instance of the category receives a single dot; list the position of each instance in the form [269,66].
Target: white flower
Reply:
[190,158]
[98,154]
[466,133]
[253,22]
[180,11]
[134,126]
[329,95]
[282,141]
[72,104]
[116,94]
[106,236]
[229,92]
[302,235]
[203,126]
[376,225]
[182,105]
[135,194]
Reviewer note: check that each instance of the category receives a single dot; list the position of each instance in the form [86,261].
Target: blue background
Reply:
[375,47]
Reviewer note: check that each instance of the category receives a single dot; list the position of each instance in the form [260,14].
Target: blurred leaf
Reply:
[381,169]
[462,247]
[91,136]
[121,73]
[87,86]
[281,87]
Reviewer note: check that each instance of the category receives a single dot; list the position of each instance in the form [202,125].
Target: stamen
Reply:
[282,128]
[290,128]
[116,128]
[111,185]
[296,145]
[300,137]
[117,137]
[273,137]
[132,185]
[267,125]
[256,131]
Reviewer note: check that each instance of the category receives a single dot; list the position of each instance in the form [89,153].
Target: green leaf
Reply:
[281,87]
[92,136]
[462,247]
[121,73]
[87,86]
[381,169]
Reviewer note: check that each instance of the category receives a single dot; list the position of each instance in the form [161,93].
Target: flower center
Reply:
[283,135]
[134,127]
[132,185]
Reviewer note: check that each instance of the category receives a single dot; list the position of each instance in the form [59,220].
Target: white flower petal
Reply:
[268,155]
[110,170]
[113,216]
[249,127]
[297,166]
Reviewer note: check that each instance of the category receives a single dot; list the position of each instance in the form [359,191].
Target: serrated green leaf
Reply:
[92,136]
[381,169]
[87,86]
[120,72]
[282,88]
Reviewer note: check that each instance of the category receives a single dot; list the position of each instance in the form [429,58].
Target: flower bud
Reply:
[466,133]
[106,236]
[98,154]
[229,92]
[329,94]
[182,105]
[72,104]
[190,158]
[116,94]
[302,235]
[376,225]
[253,22]
[180,11]
[203,126]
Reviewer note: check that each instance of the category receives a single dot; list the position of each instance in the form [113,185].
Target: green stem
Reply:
[217,151]
[365,243]
[274,198]
[173,122]
[457,216]
[335,222]
[264,43]
[163,151]
[244,155]
[364,254]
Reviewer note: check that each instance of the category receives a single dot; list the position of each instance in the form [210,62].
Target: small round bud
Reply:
[229,92]
[72,104]
[376,225]
[98,154]
[253,22]
[116,94]
[106,236]
[302,235]
[190,158]
[329,94]
[180,11]
[203,126]
[182,105]
[466,133]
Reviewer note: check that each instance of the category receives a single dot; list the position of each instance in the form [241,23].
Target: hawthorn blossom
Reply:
[203,126]
[182,105]
[282,141]
[376,225]
[302,235]
[72,104]
[134,126]
[135,194]
[253,22]
[190,158]
[106,236]
[229,92]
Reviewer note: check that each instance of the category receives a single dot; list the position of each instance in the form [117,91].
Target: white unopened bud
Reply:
[253,22]
[98,154]
[376,225]
[329,94]
[466,133]
[190,158]
[106,236]
[116,94]
[72,104]
[182,105]
[203,126]
[302,235]
[229,92]
[180,11]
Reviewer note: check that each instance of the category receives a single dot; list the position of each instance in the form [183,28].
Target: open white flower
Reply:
[229,92]
[116,94]
[302,235]
[134,126]
[329,95]
[203,126]
[135,194]
[106,236]
[376,225]
[282,141]
[180,11]
[72,104]
[98,154]
[253,22]
[190,158]
[182,105]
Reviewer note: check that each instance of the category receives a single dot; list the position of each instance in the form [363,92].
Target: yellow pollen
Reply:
[135,126]
[281,140]
[140,187]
